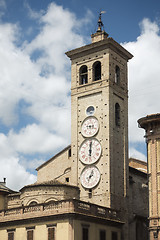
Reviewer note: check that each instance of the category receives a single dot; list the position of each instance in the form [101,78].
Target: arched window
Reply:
[117,114]
[117,75]
[33,203]
[96,71]
[83,75]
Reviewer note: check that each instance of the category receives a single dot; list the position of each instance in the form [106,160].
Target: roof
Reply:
[138,164]
[51,183]
[5,189]
[103,44]
[143,122]
[55,156]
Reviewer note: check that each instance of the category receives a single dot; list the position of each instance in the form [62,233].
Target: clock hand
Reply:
[90,148]
[91,175]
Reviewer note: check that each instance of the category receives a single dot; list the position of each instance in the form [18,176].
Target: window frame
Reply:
[117,74]
[53,227]
[30,230]
[100,234]
[83,72]
[114,235]
[11,235]
[97,71]
[117,114]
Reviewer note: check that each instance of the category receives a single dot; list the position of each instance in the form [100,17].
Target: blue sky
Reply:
[35,74]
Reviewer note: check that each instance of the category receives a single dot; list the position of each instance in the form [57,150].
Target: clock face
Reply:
[90,177]
[90,151]
[90,110]
[90,127]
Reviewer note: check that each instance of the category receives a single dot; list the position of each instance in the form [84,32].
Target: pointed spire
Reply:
[100,23]
[100,33]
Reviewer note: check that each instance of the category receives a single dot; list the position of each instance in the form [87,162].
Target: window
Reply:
[96,71]
[69,153]
[83,75]
[67,179]
[51,233]
[114,236]
[85,233]
[117,114]
[11,235]
[29,234]
[33,203]
[102,235]
[117,75]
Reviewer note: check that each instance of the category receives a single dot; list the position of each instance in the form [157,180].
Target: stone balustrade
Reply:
[59,207]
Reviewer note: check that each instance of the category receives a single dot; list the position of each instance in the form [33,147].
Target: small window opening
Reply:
[117,75]
[83,75]
[33,203]
[69,153]
[67,179]
[117,114]
[97,71]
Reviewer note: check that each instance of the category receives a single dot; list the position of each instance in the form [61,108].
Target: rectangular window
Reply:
[102,235]
[85,233]
[10,235]
[29,234]
[51,233]
[114,236]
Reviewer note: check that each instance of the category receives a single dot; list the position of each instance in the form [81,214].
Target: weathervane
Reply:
[100,23]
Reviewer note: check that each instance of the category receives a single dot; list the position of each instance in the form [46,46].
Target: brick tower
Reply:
[151,124]
[99,129]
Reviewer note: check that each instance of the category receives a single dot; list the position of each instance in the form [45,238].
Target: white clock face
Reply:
[90,177]
[90,127]
[90,151]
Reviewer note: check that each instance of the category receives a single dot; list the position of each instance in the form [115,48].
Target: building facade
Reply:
[87,191]
[151,124]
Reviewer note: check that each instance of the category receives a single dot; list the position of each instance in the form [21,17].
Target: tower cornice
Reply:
[108,43]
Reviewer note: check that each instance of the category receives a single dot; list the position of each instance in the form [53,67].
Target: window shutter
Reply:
[30,235]
[11,236]
[51,233]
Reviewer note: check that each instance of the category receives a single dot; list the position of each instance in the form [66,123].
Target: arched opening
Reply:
[117,75]
[117,114]
[33,203]
[96,71]
[83,75]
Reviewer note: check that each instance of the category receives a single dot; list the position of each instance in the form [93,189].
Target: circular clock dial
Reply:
[90,151]
[90,177]
[90,127]
[90,110]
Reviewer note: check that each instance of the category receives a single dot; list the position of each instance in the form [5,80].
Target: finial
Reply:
[100,23]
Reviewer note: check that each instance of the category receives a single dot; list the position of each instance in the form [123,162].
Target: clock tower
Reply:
[99,127]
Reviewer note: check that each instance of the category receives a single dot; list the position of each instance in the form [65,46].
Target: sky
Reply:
[35,74]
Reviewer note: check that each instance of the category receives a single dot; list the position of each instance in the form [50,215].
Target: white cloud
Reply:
[38,73]
[144,72]
[35,84]
[133,153]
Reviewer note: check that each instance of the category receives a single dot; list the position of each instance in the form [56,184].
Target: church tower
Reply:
[99,128]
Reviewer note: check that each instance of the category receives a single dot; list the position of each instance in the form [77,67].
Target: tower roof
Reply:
[152,118]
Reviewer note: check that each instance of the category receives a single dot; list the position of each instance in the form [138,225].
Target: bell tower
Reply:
[99,122]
